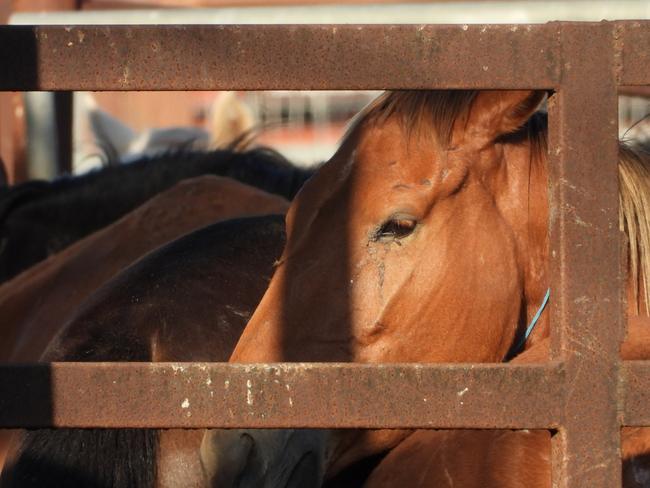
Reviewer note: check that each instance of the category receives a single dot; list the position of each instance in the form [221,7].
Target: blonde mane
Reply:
[435,111]
[634,218]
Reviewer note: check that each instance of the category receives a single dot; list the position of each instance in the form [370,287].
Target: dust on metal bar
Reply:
[192,395]
[278,57]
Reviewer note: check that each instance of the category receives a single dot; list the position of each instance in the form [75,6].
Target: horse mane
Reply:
[262,167]
[79,458]
[434,112]
[634,216]
[431,111]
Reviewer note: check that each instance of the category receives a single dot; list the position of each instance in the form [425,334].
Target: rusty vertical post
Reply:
[63,101]
[587,307]
[13,140]
[7,124]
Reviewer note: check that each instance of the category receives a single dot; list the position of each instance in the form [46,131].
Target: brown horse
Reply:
[467,459]
[430,221]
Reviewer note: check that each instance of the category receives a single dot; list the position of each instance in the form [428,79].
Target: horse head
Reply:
[423,239]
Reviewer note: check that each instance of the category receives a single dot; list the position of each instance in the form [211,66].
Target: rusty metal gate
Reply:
[585,392]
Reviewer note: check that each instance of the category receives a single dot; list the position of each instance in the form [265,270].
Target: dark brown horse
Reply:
[38,302]
[187,301]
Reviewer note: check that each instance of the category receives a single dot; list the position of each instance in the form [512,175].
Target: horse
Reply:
[467,459]
[35,304]
[423,239]
[188,300]
[229,118]
[38,218]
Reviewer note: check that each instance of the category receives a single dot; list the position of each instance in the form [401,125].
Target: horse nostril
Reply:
[262,458]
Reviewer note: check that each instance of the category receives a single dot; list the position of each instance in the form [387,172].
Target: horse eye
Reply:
[396,228]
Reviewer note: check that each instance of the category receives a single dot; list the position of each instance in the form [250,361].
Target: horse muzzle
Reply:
[264,458]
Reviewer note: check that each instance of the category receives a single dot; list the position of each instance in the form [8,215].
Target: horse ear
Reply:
[494,113]
[110,133]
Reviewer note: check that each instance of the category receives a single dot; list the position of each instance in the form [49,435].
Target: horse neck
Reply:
[526,209]
[634,193]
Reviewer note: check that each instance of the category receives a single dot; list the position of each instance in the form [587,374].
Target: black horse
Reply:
[40,218]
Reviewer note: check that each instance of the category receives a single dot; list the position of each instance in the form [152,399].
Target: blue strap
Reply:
[533,322]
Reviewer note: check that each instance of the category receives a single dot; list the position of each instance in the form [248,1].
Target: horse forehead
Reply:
[389,152]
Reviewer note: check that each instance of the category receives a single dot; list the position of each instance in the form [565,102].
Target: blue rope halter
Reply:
[533,322]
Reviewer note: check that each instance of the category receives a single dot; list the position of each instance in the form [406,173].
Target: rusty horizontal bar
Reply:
[302,56]
[632,40]
[636,393]
[195,395]
[253,57]
[635,91]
